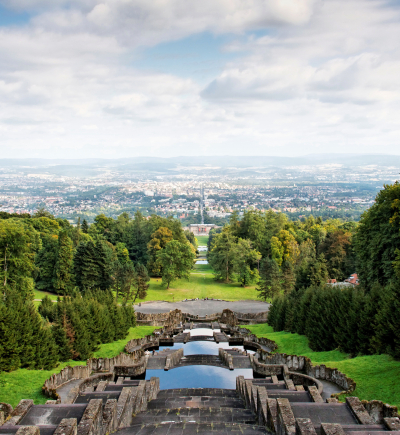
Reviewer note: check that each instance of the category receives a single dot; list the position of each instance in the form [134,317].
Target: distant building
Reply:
[201,229]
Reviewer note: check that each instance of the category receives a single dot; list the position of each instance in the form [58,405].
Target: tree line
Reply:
[278,254]
[72,328]
[362,319]
[100,270]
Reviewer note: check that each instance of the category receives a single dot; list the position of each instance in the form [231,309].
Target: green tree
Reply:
[62,273]
[222,256]
[378,238]
[142,280]
[246,259]
[269,285]
[176,261]
[159,240]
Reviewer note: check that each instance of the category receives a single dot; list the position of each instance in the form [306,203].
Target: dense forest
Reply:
[98,271]
[363,319]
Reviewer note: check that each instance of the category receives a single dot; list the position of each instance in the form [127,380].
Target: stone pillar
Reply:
[315,396]
[67,426]
[359,411]
[286,420]
[304,426]
[92,420]
[28,430]
[110,418]
[392,423]
[332,429]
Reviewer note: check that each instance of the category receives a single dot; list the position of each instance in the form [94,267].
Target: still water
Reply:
[198,376]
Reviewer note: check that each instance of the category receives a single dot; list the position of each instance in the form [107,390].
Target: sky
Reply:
[126,78]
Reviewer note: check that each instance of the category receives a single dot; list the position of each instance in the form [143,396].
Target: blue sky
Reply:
[116,78]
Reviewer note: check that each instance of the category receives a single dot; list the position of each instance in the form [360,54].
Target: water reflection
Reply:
[199,377]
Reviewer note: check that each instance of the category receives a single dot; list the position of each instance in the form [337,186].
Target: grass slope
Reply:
[27,384]
[200,285]
[376,376]
[202,240]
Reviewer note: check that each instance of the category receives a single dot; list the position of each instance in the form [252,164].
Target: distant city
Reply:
[336,186]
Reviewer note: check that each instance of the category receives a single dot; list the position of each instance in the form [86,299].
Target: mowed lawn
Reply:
[200,285]
[202,240]
[27,384]
[377,376]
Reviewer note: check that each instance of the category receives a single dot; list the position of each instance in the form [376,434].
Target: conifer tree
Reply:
[85,226]
[142,279]
[270,282]
[62,280]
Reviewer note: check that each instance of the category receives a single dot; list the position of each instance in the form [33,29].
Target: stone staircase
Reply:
[194,411]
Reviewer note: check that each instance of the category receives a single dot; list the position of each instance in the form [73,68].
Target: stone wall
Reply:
[173,359]
[304,364]
[169,319]
[65,375]
[226,358]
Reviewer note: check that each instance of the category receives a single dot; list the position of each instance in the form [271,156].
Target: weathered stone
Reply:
[262,414]
[315,396]
[19,412]
[359,411]
[2,418]
[6,408]
[299,388]
[110,417]
[392,423]
[304,426]
[286,420]
[332,400]
[332,429]
[91,421]
[125,407]
[28,430]
[272,413]
[68,426]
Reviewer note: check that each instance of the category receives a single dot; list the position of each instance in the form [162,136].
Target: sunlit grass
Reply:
[27,384]
[376,376]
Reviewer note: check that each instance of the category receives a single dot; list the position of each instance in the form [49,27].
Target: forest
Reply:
[98,271]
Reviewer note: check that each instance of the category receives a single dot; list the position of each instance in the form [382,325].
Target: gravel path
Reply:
[203,307]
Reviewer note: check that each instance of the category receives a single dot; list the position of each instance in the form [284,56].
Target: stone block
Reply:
[248,393]
[299,388]
[125,407]
[28,430]
[359,411]
[19,412]
[6,408]
[101,386]
[67,426]
[304,426]
[110,418]
[2,418]
[392,423]
[92,420]
[315,396]
[286,420]
[289,384]
[262,414]
[139,401]
[272,415]
[331,429]
[332,400]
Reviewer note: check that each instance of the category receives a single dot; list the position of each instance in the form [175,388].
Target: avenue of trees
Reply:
[100,270]
[359,320]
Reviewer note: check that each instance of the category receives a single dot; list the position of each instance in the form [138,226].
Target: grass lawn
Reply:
[377,376]
[27,384]
[39,294]
[202,240]
[200,285]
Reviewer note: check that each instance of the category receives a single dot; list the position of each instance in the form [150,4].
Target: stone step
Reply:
[193,429]
[196,402]
[364,427]
[185,392]
[324,413]
[103,395]
[292,396]
[51,415]
[44,429]
[199,415]
[190,360]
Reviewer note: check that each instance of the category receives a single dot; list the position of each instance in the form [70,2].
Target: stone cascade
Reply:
[285,408]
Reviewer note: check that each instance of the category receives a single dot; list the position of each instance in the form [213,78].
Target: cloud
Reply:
[321,75]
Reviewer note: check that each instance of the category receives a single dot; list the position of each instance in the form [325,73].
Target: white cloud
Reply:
[325,77]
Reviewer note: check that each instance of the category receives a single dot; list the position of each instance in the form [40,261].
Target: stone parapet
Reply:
[110,417]
[226,358]
[19,412]
[304,426]
[91,422]
[173,359]
[67,426]
[379,410]
[125,407]
[28,430]
[359,411]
